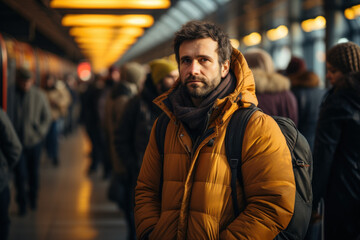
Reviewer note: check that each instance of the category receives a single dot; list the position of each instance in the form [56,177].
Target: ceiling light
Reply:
[135,20]
[313,24]
[111,4]
[277,33]
[352,12]
[252,39]
[106,31]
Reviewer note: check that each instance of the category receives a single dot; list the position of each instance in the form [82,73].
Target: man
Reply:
[10,150]
[134,129]
[32,118]
[187,193]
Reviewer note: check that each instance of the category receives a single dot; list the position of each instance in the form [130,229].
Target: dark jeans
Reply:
[99,153]
[52,142]
[27,176]
[4,213]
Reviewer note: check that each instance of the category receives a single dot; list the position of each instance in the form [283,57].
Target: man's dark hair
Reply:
[200,30]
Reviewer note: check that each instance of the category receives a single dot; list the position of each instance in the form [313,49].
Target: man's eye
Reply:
[204,60]
[185,60]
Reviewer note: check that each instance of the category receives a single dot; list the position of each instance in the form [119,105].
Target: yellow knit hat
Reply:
[159,68]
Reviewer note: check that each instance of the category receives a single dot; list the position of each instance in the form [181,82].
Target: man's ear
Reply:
[225,67]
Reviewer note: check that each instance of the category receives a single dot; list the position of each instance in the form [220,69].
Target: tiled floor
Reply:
[72,205]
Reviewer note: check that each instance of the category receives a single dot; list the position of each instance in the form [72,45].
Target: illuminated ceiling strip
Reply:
[131,20]
[107,31]
[111,4]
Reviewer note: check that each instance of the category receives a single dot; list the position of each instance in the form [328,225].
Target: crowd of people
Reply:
[184,192]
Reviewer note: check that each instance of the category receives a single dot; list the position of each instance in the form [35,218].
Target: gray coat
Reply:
[33,116]
[10,149]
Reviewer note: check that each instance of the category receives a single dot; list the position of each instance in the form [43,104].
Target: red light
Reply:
[84,71]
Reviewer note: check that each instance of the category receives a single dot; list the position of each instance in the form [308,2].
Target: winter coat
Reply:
[133,134]
[193,201]
[115,106]
[274,95]
[336,175]
[308,97]
[10,149]
[32,116]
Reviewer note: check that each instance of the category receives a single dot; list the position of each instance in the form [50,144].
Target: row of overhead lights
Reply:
[308,25]
[104,38]
[282,31]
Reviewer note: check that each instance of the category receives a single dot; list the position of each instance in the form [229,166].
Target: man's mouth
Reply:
[193,80]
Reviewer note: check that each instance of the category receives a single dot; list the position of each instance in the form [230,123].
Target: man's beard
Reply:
[200,92]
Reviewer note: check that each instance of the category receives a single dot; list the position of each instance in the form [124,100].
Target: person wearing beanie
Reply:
[341,59]
[336,175]
[163,73]
[132,134]
[272,89]
[305,87]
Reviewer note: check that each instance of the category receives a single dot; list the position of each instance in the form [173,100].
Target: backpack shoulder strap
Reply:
[160,131]
[233,145]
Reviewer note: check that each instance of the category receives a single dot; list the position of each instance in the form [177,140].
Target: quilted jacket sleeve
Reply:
[269,184]
[147,192]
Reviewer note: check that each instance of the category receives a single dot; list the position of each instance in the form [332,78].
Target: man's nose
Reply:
[195,68]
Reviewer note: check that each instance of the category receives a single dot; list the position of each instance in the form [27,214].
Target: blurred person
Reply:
[132,134]
[91,120]
[186,193]
[59,99]
[341,59]
[110,81]
[272,88]
[10,151]
[73,111]
[305,86]
[133,77]
[31,121]
[336,177]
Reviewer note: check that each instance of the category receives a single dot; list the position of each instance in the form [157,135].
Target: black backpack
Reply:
[301,159]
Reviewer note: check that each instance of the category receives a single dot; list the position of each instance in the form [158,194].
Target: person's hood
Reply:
[243,95]
[304,79]
[270,82]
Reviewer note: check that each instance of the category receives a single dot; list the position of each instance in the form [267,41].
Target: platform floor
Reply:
[72,205]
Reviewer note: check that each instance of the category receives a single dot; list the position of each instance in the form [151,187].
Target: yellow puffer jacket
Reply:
[195,201]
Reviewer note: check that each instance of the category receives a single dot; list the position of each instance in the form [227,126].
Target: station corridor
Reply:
[71,205]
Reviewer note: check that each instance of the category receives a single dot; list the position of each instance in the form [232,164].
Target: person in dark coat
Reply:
[10,151]
[336,176]
[272,88]
[132,135]
[305,86]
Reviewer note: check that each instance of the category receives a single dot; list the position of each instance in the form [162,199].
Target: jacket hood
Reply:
[304,79]
[243,95]
[270,82]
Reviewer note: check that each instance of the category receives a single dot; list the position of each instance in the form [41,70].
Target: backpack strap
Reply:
[160,131]
[233,145]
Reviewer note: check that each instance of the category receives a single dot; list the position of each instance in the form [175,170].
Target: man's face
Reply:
[200,71]
[333,74]
[24,84]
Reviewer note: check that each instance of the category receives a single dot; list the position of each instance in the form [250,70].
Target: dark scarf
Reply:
[195,118]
